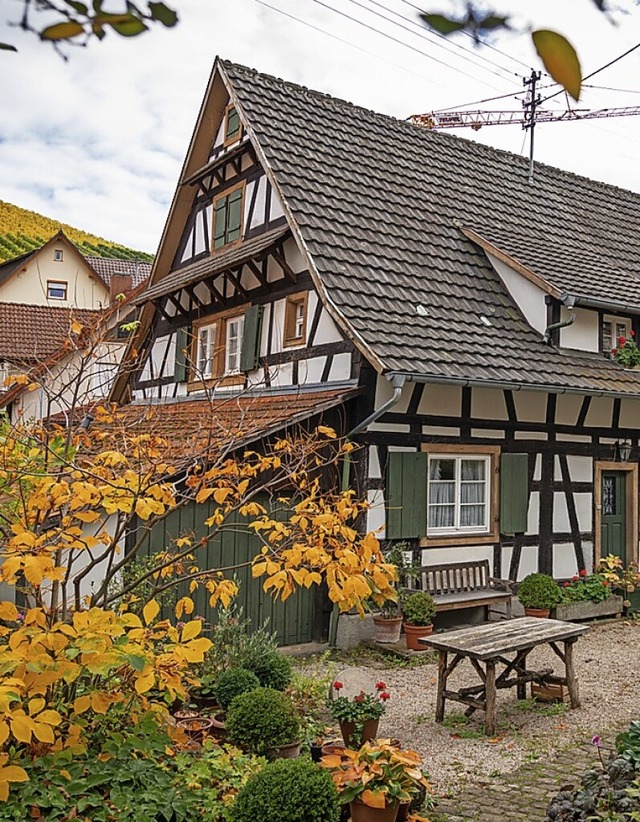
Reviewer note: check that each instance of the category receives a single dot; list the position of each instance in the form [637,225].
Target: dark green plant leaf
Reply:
[7,47]
[129,27]
[168,17]
[560,59]
[62,31]
[76,5]
[443,24]
[493,21]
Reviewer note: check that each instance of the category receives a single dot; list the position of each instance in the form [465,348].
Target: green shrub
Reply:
[539,591]
[273,670]
[419,608]
[234,644]
[288,790]
[261,720]
[234,682]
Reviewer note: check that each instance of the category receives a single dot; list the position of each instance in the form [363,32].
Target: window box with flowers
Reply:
[627,352]
[359,715]
[587,596]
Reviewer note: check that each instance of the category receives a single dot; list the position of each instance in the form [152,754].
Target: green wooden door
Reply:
[614,526]
[293,621]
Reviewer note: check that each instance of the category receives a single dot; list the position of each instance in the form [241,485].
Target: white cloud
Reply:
[98,141]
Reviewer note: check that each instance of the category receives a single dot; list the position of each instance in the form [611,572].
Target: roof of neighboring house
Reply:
[106,268]
[193,427]
[379,205]
[32,333]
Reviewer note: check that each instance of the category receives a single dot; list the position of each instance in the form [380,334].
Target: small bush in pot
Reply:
[273,670]
[261,720]
[358,715]
[234,682]
[418,610]
[539,592]
[288,791]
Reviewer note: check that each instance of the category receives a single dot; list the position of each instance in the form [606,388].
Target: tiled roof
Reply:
[215,263]
[379,204]
[32,333]
[106,268]
[195,426]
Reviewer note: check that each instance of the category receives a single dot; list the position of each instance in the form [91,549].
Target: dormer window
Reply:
[612,329]
[232,125]
[58,255]
[227,216]
[56,290]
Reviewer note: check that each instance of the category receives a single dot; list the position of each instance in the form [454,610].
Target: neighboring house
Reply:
[44,296]
[459,316]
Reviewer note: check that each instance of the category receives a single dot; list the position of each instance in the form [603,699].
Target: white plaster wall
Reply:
[528,296]
[488,404]
[281,374]
[583,333]
[580,468]
[340,367]
[294,256]
[314,368]
[443,400]
[600,412]
[488,432]
[560,514]
[528,561]
[460,553]
[440,431]
[327,331]
[276,206]
[375,471]
[630,414]
[533,515]
[564,560]
[376,515]
[531,406]
[568,408]
[258,208]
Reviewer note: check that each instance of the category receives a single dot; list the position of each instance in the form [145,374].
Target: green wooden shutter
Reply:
[233,123]
[220,223]
[181,365]
[234,215]
[514,493]
[250,354]
[407,474]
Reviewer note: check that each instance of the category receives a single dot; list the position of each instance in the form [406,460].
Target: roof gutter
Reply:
[462,382]
[593,302]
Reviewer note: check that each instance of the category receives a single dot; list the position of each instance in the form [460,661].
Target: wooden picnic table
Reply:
[508,643]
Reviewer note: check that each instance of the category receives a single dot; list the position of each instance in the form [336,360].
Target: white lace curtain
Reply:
[467,507]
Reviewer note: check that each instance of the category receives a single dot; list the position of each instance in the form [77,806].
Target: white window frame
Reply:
[483,529]
[59,285]
[58,255]
[206,350]
[615,321]
[233,334]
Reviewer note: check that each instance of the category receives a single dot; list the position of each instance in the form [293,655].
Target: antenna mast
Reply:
[530,105]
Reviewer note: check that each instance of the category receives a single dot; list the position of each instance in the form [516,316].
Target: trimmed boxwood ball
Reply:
[288,790]
[234,682]
[273,670]
[539,591]
[261,720]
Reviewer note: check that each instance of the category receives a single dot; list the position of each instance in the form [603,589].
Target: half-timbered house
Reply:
[459,314]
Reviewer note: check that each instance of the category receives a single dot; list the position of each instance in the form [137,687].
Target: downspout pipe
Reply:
[397,382]
[569,303]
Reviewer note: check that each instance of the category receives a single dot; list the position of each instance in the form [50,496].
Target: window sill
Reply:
[293,342]
[215,382]
[442,540]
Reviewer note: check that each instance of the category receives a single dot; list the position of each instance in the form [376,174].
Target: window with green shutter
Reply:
[514,493]
[232,125]
[250,357]
[181,363]
[227,219]
[406,494]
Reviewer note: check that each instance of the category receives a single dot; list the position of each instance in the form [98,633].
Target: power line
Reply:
[426,34]
[402,43]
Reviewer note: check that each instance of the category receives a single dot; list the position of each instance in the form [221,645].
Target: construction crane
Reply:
[477,119]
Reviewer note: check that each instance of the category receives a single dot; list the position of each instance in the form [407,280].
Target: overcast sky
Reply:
[98,141]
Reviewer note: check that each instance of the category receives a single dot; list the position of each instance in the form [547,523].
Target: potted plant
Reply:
[620,579]
[359,715]
[375,779]
[232,683]
[418,610]
[272,669]
[263,722]
[587,596]
[539,593]
[627,352]
[388,622]
[204,694]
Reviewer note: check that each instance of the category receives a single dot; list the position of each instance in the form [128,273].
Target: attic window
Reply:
[295,319]
[232,125]
[612,329]
[58,255]
[56,290]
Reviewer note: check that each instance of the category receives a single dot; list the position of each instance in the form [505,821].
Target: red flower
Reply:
[583,572]
[575,579]
[566,584]
[337,685]
[615,352]
[621,341]
[360,697]
[384,696]
[380,686]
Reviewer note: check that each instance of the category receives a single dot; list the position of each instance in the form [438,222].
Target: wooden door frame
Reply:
[631,505]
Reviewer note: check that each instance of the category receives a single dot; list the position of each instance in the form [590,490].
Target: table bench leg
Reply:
[442,684]
[490,698]
[572,679]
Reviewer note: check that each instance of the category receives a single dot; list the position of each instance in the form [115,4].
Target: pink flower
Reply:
[597,741]
[337,685]
[380,686]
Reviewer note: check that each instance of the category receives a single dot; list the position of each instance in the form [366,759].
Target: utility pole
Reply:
[529,105]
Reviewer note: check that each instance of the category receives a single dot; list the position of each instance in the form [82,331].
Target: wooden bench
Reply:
[465,585]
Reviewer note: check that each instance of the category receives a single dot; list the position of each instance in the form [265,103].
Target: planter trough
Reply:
[575,611]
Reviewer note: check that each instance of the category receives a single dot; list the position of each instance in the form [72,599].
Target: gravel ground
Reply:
[608,668]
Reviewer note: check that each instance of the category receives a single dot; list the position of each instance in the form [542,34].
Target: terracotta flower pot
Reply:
[413,633]
[330,748]
[403,811]
[541,613]
[363,813]
[196,727]
[218,728]
[369,731]
[289,751]
[387,629]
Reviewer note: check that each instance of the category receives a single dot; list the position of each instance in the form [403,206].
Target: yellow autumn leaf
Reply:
[184,606]
[560,59]
[82,704]
[150,611]
[328,432]
[44,733]
[4,732]
[13,773]
[374,799]
[191,630]
[100,702]
[50,717]
[145,682]
[36,705]
[8,611]
[76,327]
[21,728]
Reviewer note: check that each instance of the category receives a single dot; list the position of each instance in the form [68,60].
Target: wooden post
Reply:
[572,679]
[490,697]
[521,668]
[442,684]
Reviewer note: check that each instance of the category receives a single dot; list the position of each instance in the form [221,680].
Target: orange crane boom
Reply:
[477,119]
